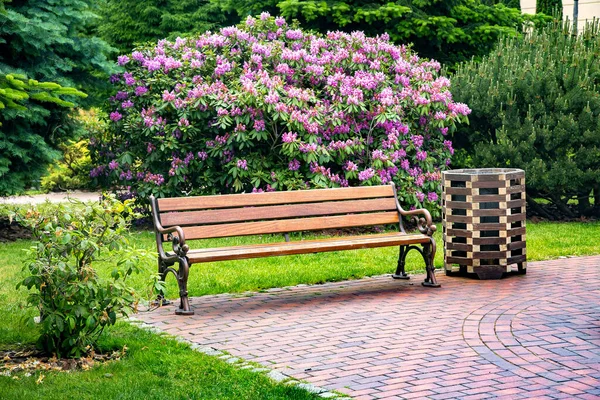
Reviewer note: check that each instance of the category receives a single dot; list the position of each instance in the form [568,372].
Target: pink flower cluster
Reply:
[268,106]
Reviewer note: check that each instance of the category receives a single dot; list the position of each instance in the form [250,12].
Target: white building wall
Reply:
[588,9]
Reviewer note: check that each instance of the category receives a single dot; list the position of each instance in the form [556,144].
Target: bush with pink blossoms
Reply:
[267,106]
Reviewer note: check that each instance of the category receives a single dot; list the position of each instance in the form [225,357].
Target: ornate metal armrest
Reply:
[424,225]
[179,246]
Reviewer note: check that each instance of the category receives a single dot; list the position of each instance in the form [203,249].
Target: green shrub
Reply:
[75,304]
[73,170]
[43,41]
[536,106]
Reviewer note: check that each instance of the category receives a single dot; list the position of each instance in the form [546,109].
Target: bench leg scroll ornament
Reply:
[182,278]
[428,254]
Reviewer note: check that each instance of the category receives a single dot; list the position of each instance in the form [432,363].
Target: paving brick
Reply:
[532,336]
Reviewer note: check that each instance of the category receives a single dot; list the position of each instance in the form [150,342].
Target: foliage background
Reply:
[45,40]
[536,106]
[449,31]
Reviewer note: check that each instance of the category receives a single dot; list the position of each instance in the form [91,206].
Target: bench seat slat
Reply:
[273,198]
[289,225]
[203,217]
[303,247]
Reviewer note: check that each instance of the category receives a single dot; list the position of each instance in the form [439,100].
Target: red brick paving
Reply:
[532,336]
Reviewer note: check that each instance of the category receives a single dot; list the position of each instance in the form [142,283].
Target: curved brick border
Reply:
[532,336]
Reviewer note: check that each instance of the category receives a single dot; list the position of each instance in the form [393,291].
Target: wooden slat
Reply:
[489,226]
[488,198]
[449,176]
[489,254]
[460,233]
[517,259]
[459,246]
[273,198]
[458,191]
[489,184]
[459,260]
[289,225]
[490,212]
[515,189]
[303,247]
[276,212]
[516,245]
[489,240]
[515,203]
[465,219]
[516,217]
[517,231]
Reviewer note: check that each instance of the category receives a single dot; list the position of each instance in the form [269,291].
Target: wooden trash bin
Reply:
[483,213]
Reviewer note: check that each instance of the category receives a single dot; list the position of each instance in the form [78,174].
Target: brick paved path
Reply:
[533,336]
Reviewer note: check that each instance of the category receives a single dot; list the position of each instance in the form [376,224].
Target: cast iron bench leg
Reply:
[429,255]
[400,274]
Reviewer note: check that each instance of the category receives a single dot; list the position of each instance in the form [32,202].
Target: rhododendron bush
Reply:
[266,106]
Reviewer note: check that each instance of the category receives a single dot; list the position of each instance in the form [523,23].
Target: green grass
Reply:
[158,368]
[155,368]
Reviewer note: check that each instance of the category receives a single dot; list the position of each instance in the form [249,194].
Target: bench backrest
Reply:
[204,217]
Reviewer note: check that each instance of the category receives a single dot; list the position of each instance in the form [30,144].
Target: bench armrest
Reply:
[178,241]
[424,225]
[179,246]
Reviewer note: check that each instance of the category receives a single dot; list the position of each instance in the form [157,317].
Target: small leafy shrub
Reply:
[266,106]
[536,106]
[73,171]
[75,304]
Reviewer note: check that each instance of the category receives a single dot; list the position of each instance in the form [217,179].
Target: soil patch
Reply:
[12,231]
[28,362]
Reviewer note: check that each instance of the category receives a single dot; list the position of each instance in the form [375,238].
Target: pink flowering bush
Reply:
[266,106]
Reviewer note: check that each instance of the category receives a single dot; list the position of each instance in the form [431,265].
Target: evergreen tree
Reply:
[508,3]
[42,40]
[451,31]
[550,7]
[536,106]
[127,23]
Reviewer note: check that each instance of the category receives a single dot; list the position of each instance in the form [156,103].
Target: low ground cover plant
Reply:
[266,106]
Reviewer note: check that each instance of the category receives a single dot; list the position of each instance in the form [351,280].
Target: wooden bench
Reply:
[187,218]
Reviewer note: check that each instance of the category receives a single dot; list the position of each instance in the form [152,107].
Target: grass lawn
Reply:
[159,368]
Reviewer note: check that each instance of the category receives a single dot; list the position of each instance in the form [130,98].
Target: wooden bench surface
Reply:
[205,217]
